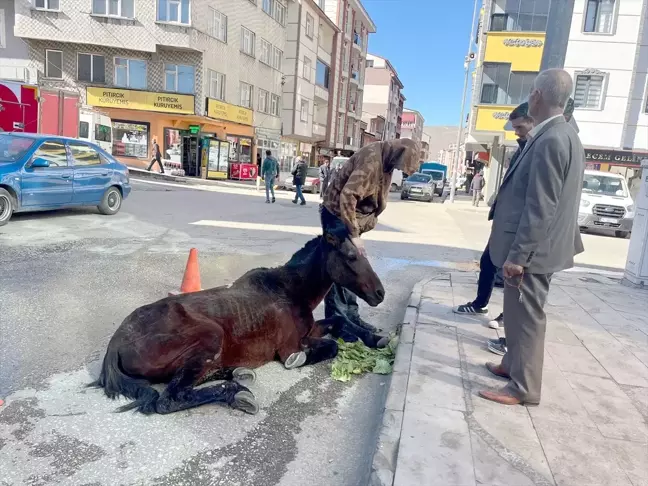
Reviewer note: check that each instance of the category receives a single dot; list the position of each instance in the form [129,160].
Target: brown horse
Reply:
[219,333]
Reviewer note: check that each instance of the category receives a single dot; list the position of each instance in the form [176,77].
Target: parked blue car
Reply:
[40,172]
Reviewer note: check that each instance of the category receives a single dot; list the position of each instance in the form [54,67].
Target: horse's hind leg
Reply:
[245,375]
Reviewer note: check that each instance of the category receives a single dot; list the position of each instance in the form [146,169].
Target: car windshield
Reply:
[418,178]
[436,175]
[312,172]
[12,148]
[604,185]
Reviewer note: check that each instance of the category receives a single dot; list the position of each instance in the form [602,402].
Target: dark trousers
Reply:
[486,282]
[159,163]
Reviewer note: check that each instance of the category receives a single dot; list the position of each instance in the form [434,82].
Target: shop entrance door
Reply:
[190,152]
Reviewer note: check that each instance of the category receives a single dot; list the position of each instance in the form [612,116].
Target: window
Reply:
[84,130]
[304,111]
[322,75]
[218,27]
[307,68]
[247,41]
[588,92]
[47,4]
[266,49]
[130,73]
[279,13]
[130,139]
[266,5]
[495,79]
[274,105]
[3,32]
[599,16]
[54,64]
[84,155]
[321,4]
[179,78]
[263,101]
[53,152]
[103,133]
[519,87]
[173,11]
[114,8]
[520,15]
[246,95]
[277,55]
[310,22]
[369,63]
[91,68]
[216,85]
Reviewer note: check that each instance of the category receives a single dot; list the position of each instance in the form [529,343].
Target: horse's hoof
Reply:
[383,342]
[295,360]
[245,401]
[244,374]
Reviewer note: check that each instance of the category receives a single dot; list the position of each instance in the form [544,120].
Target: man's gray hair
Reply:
[556,86]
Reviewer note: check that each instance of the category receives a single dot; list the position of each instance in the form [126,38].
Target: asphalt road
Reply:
[68,278]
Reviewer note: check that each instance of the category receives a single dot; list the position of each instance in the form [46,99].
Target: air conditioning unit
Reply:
[636,271]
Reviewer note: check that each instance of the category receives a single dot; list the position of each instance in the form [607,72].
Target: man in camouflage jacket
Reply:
[356,196]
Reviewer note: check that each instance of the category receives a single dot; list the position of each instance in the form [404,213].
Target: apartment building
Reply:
[382,95]
[425,147]
[309,79]
[412,125]
[14,52]
[349,61]
[203,78]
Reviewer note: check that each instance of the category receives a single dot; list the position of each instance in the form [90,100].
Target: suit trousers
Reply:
[525,327]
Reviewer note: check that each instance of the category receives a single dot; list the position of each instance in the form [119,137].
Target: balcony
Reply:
[357,42]
[355,77]
[319,130]
[321,93]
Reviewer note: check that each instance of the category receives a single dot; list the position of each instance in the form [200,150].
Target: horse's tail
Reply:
[115,382]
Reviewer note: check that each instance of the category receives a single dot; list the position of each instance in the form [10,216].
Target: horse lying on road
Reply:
[220,333]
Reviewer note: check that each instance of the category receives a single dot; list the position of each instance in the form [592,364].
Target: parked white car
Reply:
[606,203]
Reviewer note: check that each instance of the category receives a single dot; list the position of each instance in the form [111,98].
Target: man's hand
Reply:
[511,270]
[359,244]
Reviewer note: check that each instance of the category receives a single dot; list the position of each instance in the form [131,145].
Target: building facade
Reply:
[14,52]
[182,73]
[309,79]
[382,95]
[412,125]
[349,61]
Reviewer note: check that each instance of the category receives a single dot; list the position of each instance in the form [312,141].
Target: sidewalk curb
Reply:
[157,176]
[383,467]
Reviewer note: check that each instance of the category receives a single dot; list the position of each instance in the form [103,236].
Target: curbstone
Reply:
[411,314]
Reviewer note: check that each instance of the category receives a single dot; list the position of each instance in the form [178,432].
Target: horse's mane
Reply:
[303,256]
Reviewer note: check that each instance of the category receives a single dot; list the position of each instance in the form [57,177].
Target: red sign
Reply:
[244,172]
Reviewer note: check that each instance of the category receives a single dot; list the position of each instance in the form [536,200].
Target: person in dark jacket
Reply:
[355,197]
[157,157]
[299,178]
[324,176]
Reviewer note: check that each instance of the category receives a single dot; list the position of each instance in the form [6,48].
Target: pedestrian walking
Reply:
[535,233]
[259,171]
[157,156]
[324,176]
[476,186]
[355,197]
[269,172]
[299,177]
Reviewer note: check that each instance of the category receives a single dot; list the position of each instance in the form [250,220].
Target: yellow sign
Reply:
[492,118]
[224,111]
[522,50]
[129,99]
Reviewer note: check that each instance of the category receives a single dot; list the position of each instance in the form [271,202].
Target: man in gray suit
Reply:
[535,234]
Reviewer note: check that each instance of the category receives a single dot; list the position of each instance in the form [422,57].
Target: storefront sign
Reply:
[140,100]
[194,129]
[501,115]
[522,42]
[615,157]
[224,111]
[523,50]
[245,172]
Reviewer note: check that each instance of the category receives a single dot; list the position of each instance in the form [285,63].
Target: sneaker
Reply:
[273,200]
[497,346]
[267,201]
[497,322]
[303,203]
[470,309]
[294,201]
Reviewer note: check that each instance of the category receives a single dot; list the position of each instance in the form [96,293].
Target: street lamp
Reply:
[467,61]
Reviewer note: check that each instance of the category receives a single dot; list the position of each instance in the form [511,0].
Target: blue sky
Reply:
[426,41]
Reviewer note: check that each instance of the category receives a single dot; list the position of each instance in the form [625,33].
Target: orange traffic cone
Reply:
[191,278]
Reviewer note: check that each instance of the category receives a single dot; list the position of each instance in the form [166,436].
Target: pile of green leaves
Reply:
[357,358]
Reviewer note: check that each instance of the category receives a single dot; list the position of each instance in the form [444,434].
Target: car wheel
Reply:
[403,197]
[618,234]
[111,202]
[431,199]
[6,206]
[394,187]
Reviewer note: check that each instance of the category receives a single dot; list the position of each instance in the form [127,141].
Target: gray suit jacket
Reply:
[535,214]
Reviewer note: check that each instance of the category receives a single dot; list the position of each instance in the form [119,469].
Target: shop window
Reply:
[173,11]
[240,149]
[54,64]
[130,73]
[588,91]
[179,78]
[114,8]
[599,17]
[172,145]
[91,68]
[130,139]
[53,152]
[84,155]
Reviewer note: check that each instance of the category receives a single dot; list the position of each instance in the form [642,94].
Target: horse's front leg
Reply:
[313,350]
[345,329]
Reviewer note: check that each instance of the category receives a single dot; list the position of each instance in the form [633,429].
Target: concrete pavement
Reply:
[590,428]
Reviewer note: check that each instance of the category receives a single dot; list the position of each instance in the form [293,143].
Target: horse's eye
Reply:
[352,255]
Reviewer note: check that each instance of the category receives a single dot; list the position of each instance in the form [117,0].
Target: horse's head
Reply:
[348,268]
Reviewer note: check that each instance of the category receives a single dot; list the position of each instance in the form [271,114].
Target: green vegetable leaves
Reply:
[356,358]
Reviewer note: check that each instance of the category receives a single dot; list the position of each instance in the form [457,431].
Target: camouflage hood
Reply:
[402,154]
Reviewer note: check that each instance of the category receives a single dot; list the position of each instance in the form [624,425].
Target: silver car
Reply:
[419,186]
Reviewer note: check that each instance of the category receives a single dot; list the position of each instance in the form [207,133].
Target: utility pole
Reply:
[467,61]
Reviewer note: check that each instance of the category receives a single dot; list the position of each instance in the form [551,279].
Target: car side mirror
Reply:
[39,163]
